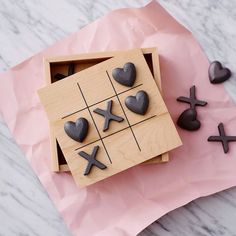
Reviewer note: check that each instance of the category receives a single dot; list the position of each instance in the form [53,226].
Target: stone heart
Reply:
[125,76]
[77,130]
[138,103]
[217,74]
[188,120]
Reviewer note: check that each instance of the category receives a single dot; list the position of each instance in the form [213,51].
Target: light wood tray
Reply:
[126,144]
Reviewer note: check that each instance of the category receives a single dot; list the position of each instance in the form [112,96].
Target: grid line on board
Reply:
[94,122]
[100,101]
[116,132]
[124,112]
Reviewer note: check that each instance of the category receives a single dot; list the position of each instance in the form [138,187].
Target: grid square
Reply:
[155,108]
[67,142]
[79,164]
[118,150]
[160,135]
[93,89]
[114,126]
[140,75]
[65,99]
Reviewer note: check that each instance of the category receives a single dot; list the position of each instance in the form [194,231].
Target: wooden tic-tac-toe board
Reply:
[57,68]
[127,143]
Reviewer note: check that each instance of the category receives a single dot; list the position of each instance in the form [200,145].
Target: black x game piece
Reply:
[224,139]
[71,71]
[192,100]
[108,115]
[92,160]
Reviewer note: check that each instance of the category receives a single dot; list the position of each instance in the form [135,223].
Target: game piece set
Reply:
[219,74]
[106,113]
[188,119]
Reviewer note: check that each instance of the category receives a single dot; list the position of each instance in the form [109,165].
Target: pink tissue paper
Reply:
[128,202]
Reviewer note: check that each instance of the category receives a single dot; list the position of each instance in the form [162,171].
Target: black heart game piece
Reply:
[77,130]
[125,76]
[217,74]
[188,120]
[138,103]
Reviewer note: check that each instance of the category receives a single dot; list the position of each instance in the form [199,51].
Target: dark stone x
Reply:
[71,71]
[108,115]
[222,138]
[92,160]
[192,100]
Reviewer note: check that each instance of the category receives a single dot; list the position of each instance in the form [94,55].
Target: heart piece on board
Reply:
[138,103]
[188,120]
[77,130]
[125,76]
[217,74]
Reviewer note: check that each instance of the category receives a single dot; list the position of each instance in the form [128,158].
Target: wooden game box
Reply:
[59,65]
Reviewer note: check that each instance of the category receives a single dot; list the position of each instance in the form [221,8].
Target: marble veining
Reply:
[27,27]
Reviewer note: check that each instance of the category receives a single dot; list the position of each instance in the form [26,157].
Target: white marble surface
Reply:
[28,26]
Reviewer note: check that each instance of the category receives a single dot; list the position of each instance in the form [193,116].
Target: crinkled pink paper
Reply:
[128,202]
